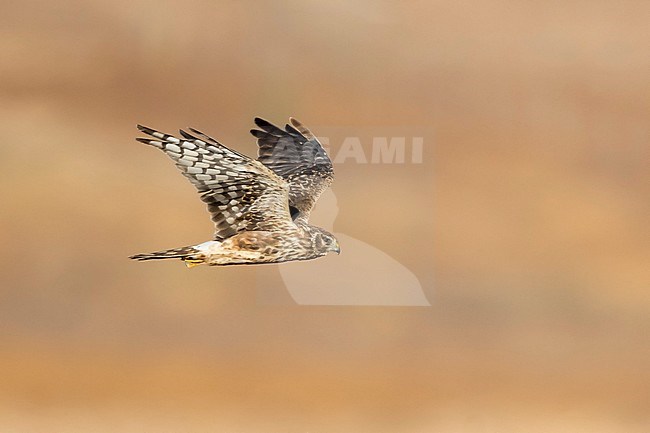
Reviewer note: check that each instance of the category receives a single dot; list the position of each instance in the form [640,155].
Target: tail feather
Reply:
[183,253]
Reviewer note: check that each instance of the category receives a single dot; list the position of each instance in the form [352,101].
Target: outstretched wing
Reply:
[241,194]
[295,154]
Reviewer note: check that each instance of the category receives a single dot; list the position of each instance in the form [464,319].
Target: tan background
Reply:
[539,241]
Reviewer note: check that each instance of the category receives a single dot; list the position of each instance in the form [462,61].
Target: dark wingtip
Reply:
[196,131]
[258,134]
[268,126]
[145,129]
[291,130]
[261,122]
[187,135]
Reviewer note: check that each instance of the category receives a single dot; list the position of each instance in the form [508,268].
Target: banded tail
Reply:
[190,255]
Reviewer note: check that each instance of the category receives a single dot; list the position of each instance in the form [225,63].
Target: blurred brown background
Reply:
[539,242]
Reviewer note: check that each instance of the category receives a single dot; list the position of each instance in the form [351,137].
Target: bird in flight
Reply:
[260,208]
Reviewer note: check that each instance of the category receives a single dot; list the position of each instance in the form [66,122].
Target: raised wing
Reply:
[295,154]
[241,193]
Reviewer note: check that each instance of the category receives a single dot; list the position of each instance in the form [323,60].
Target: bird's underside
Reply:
[260,208]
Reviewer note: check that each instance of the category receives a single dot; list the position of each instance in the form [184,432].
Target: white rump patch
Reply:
[209,247]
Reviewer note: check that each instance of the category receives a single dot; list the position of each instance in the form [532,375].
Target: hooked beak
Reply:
[337,248]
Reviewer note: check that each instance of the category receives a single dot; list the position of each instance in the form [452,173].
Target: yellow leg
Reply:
[190,263]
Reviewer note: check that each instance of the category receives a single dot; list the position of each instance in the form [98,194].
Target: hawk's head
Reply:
[325,242]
